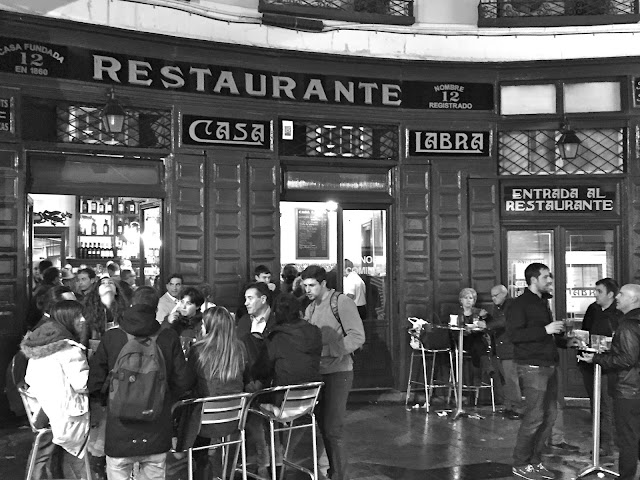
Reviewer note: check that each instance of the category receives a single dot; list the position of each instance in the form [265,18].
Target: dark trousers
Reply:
[331,410]
[606,402]
[540,388]
[48,462]
[512,395]
[627,413]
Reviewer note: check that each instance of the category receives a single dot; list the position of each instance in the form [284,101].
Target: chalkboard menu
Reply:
[312,233]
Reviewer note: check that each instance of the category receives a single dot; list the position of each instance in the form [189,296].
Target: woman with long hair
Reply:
[57,376]
[104,306]
[218,360]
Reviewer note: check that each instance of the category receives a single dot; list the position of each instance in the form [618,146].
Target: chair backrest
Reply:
[38,420]
[297,400]
[224,410]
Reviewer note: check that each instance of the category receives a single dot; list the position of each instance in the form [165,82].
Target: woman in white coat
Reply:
[57,376]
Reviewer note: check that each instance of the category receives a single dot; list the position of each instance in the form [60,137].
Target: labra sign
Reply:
[572,199]
[226,131]
[466,144]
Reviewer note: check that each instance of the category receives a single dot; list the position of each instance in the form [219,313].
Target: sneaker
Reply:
[512,415]
[544,471]
[527,472]
[566,446]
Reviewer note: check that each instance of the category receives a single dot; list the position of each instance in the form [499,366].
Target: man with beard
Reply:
[531,329]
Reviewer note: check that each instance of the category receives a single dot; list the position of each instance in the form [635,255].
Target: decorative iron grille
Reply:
[401,8]
[550,8]
[142,128]
[342,140]
[534,152]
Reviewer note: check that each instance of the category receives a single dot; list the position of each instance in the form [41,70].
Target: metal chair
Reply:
[476,388]
[39,423]
[435,342]
[223,416]
[297,401]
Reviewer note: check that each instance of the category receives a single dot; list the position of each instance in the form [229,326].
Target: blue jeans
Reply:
[511,390]
[152,467]
[331,410]
[540,388]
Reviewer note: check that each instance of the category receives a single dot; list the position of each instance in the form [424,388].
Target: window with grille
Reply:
[142,127]
[342,140]
[534,152]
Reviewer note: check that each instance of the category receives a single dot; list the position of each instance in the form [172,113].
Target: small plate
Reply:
[588,349]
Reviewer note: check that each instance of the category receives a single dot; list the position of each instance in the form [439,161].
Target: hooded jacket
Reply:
[624,355]
[57,375]
[293,353]
[141,438]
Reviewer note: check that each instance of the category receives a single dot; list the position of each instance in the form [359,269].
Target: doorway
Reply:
[577,257]
[347,240]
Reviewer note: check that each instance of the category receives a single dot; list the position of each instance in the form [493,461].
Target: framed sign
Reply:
[7,115]
[312,233]
[230,132]
[442,143]
[569,200]
[636,92]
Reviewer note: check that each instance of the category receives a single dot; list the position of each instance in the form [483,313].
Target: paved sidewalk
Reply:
[388,442]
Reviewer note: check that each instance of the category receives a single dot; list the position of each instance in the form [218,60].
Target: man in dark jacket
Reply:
[497,325]
[143,442]
[531,328]
[623,359]
[601,318]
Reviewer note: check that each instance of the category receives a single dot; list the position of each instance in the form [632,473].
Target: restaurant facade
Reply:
[427,176]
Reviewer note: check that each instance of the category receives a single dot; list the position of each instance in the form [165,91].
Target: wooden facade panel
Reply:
[190,220]
[228,221]
[8,187]
[416,202]
[8,240]
[226,245]
[634,227]
[227,173]
[8,213]
[264,239]
[415,224]
[227,266]
[416,246]
[8,294]
[189,245]
[418,267]
[484,238]
[229,197]
[8,266]
[192,196]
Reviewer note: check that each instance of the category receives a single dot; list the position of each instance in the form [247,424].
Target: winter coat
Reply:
[124,439]
[624,355]
[57,375]
[497,325]
[293,353]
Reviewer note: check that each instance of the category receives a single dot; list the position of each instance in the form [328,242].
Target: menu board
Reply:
[312,233]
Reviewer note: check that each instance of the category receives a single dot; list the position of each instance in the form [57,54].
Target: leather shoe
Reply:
[512,415]
[566,447]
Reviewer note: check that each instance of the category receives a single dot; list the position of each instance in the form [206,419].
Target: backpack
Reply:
[333,303]
[138,381]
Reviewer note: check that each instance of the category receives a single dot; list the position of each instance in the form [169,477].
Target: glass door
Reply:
[350,243]
[578,258]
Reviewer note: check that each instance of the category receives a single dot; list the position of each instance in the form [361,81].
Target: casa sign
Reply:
[231,132]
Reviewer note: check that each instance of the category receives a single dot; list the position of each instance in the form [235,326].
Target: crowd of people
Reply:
[517,342]
[106,360]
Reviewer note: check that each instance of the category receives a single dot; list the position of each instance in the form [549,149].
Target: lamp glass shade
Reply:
[113,116]
[569,143]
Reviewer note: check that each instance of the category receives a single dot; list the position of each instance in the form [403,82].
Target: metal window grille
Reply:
[541,8]
[534,152]
[343,140]
[143,128]
[387,7]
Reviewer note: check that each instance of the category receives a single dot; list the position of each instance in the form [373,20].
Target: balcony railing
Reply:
[550,13]
[390,12]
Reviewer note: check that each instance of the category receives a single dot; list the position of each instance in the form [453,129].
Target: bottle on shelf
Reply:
[132,207]
[109,206]
[105,227]
[120,205]
[101,206]
[94,227]
[83,229]
[119,227]
[93,206]
[84,205]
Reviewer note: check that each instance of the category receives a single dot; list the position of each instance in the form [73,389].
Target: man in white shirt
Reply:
[354,288]
[169,300]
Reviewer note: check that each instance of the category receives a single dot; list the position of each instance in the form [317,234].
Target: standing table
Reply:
[595,466]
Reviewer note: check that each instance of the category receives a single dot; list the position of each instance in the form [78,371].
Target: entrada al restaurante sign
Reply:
[31,58]
[558,199]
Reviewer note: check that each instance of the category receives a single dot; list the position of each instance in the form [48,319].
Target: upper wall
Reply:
[446,30]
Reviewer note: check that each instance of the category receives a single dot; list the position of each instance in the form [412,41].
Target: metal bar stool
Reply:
[297,401]
[468,387]
[220,417]
[426,348]
[39,423]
